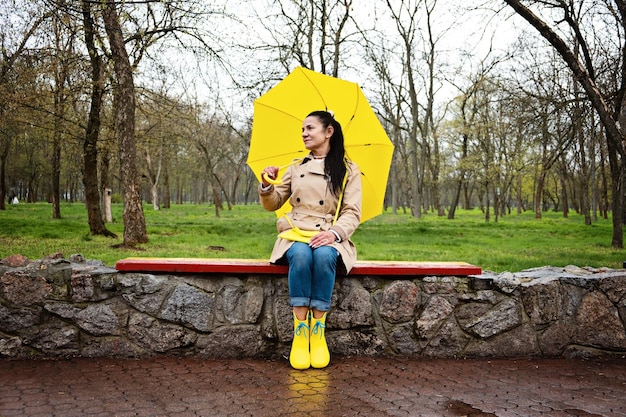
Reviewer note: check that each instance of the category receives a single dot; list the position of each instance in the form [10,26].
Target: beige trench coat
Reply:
[314,207]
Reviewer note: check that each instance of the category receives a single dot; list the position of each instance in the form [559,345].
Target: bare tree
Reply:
[159,124]
[419,121]
[391,108]
[314,22]
[467,108]
[13,45]
[64,41]
[314,34]
[468,104]
[609,105]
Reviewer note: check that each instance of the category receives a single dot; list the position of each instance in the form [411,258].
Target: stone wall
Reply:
[57,307]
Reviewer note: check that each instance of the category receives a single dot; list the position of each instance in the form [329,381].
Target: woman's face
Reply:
[315,136]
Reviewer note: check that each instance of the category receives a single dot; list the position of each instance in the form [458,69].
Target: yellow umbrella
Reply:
[278,117]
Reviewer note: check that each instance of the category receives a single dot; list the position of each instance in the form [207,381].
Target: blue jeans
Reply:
[311,275]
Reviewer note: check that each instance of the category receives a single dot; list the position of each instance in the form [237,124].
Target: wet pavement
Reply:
[349,386]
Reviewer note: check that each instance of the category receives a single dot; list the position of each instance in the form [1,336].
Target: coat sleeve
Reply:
[350,212]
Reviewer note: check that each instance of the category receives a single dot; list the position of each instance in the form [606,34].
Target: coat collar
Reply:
[312,165]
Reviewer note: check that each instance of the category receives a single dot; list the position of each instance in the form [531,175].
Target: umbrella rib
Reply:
[319,93]
[276,156]
[279,110]
[356,107]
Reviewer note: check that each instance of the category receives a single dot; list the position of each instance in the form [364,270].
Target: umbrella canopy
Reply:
[278,117]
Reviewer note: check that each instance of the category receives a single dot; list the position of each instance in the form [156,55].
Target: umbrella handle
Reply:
[280,168]
[270,180]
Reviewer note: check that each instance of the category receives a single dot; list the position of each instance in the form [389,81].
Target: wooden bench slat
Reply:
[258,266]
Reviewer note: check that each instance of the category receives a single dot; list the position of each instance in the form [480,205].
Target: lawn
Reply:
[514,243]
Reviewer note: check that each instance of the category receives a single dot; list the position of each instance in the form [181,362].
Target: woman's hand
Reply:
[271,172]
[323,239]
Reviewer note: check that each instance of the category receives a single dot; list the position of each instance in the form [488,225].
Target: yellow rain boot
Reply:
[320,356]
[299,358]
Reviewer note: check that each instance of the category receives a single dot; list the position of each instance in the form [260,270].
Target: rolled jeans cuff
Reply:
[320,305]
[300,302]
[305,302]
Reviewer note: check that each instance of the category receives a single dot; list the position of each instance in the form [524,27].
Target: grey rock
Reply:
[24,289]
[543,303]
[235,342]
[158,336]
[437,311]
[239,305]
[599,324]
[97,319]
[54,339]
[354,342]
[449,341]
[111,346]
[507,282]
[17,318]
[403,340]
[190,307]
[399,301]
[352,306]
[10,346]
[504,316]
[82,287]
[518,342]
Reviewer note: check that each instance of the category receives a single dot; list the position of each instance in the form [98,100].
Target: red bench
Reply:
[256,266]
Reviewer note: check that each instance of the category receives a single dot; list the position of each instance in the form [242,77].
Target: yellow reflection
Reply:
[308,390]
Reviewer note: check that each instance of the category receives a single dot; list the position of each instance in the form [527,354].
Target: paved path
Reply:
[348,387]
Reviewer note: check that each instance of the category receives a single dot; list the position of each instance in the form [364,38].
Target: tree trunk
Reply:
[582,153]
[416,203]
[539,194]
[56,172]
[154,176]
[455,199]
[106,205]
[467,196]
[564,194]
[179,191]
[60,79]
[59,109]
[585,206]
[92,132]
[487,204]
[461,180]
[154,192]
[605,184]
[4,154]
[166,188]
[104,187]
[124,105]
[593,173]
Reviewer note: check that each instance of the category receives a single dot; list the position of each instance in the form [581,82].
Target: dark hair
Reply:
[335,166]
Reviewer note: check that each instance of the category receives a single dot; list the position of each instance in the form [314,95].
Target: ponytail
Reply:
[335,166]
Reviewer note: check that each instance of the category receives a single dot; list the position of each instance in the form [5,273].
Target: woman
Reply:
[324,190]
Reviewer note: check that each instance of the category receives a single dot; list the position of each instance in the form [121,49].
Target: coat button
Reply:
[318,225]
[301,175]
[321,202]
[298,199]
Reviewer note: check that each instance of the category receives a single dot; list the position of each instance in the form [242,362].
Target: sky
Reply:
[464,39]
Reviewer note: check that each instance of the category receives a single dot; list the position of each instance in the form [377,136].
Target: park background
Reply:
[503,140]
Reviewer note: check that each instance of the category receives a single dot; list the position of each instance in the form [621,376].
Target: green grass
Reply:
[514,243]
